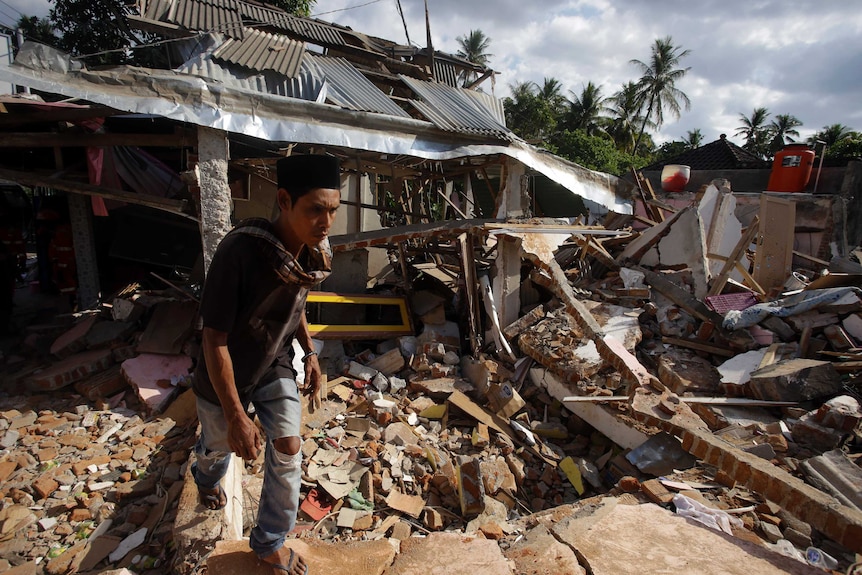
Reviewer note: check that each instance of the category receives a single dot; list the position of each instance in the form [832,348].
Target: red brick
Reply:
[699,448]
[6,469]
[45,486]
[80,515]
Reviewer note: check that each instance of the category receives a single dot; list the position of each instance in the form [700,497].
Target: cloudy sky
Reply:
[797,58]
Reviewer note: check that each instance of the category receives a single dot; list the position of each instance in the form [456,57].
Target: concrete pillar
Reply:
[507,282]
[81,217]
[216,203]
[469,202]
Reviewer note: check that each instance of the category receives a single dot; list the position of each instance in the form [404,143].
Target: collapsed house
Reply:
[489,370]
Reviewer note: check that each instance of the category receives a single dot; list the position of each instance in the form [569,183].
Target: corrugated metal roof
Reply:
[348,88]
[490,103]
[305,86]
[157,9]
[207,15]
[263,51]
[308,29]
[452,110]
[446,73]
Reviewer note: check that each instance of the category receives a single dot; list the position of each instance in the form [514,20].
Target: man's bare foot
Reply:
[213,498]
[286,562]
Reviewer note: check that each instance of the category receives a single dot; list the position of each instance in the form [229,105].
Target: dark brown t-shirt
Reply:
[244,297]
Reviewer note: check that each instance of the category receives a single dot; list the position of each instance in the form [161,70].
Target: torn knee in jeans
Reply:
[286,452]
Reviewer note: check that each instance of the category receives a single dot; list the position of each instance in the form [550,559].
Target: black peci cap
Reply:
[308,172]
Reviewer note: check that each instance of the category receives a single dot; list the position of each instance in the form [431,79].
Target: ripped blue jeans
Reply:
[278,407]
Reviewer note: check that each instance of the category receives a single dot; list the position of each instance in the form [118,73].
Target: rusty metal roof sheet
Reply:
[453,110]
[348,88]
[263,51]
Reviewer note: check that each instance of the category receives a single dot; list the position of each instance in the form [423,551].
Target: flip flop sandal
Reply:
[215,498]
[285,568]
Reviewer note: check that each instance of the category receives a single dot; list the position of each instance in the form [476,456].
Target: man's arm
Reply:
[312,366]
[243,435]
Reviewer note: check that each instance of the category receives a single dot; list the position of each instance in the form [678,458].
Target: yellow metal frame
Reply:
[325,331]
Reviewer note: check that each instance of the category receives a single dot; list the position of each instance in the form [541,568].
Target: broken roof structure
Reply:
[256,71]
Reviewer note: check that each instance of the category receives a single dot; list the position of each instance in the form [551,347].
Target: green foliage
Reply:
[657,89]
[94,27]
[594,152]
[474,48]
[587,111]
[849,147]
[298,7]
[669,150]
[833,134]
[38,30]
[529,115]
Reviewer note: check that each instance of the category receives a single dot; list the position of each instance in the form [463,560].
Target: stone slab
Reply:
[539,553]
[345,558]
[673,545]
[449,554]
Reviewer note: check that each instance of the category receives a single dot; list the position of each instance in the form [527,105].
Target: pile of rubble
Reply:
[646,368]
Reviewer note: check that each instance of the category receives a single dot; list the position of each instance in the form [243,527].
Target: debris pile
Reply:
[676,365]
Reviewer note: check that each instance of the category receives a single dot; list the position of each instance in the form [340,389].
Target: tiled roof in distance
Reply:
[721,154]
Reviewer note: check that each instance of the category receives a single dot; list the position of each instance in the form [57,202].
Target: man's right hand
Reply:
[244,437]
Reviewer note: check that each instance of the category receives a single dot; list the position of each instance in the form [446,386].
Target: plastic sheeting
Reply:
[786,307]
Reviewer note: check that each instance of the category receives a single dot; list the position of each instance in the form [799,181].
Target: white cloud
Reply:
[793,58]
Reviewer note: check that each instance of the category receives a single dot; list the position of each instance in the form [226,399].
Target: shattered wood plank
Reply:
[403,233]
[772,261]
[699,346]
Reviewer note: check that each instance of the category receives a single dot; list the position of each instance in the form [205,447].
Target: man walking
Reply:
[252,307]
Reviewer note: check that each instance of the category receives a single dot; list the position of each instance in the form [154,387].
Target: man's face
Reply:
[309,220]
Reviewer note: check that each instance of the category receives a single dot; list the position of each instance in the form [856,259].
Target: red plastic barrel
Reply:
[791,169]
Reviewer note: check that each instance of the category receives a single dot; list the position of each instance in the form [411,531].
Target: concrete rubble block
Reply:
[836,474]
[109,334]
[441,387]
[399,433]
[496,475]
[471,488]
[360,371]
[675,545]
[825,427]
[841,413]
[70,370]
[73,340]
[124,310]
[412,505]
[795,380]
[152,376]
[450,553]
[539,553]
[853,326]
[342,558]
[197,529]
[389,363]
[681,370]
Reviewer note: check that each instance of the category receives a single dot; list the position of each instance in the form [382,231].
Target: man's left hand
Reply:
[312,377]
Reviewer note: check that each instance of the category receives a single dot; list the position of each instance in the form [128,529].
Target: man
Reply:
[253,305]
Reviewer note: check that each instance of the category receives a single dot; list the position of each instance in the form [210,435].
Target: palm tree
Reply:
[624,108]
[755,130]
[550,92]
[693,138]
[587,110]
[782,128]
[832,134]
[657,85]
[474,48]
